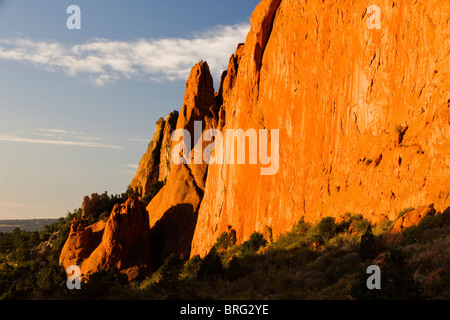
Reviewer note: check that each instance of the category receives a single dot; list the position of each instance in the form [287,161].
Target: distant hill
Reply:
[28,224]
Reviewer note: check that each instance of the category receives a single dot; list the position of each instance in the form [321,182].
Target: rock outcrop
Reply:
[123,242]
[364,127]
[165,153]
[81,242]
[411,218]
[155,164]
[173,211]
[363,114]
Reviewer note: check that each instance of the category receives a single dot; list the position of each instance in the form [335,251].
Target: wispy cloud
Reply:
[104,61]
[131,166]
[53,130]
[137,140]
[58,138]
[128,169]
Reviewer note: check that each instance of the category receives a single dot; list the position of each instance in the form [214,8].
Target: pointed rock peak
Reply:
[200,79]
[199,92]
[262,20]
[132,202]
[172,118]
[199,99]
[227,81]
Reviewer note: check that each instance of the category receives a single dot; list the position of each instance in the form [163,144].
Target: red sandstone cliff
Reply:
[363,114]
[363,117]
[173,211]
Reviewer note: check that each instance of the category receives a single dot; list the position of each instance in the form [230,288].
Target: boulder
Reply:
[123,242]
[412,218]
[81,242]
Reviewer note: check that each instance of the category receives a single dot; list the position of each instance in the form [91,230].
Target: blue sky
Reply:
[78,107]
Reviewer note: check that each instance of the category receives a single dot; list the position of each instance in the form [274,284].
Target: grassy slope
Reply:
[322,261]
[315,262]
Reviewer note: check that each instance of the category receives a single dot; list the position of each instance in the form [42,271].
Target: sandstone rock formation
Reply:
[173,211]
[364,127]
[81,242]
[409,219]
[363,114]
[413,218]
[155,164]
[165,163]
[123,242]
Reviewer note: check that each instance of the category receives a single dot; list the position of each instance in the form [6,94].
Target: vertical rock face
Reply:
[364,127]
[165,152]
[173,211]
[123,242]
[363,116]
[155,164]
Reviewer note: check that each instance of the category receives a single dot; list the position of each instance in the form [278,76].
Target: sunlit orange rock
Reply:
[155,164]
[363,114]
[363,118]
[122,242]
[411,218]
[81,242]
[173,211]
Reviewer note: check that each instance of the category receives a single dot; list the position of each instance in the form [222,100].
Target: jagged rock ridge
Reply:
[363,116]
[173,211]
[155,164]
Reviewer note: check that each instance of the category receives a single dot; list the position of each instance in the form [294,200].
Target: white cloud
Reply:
[128,169]
[137,140]
[59,138]
[53,131]
[131,166]
[105,61]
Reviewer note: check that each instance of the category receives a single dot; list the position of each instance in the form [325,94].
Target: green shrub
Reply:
[353,221]
[415,233]
[211,265]
[226,240]
[170,270]
[256,241]
[360,224]
[103,284]
[297,237]
[383,226]
[325,230]
[191,268]
[301,226]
